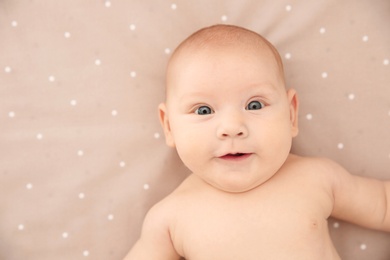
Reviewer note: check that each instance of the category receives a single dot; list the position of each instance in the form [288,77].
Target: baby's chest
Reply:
[231,230]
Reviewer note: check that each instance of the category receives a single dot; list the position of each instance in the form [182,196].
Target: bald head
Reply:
[218,36]
[223,37]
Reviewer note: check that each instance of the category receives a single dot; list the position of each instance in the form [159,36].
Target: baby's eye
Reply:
[203,110]
[255,105]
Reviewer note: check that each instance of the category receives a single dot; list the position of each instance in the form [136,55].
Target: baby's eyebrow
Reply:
[263,89]
[193,96]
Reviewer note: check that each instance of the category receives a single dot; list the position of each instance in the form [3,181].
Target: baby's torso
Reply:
[286,218]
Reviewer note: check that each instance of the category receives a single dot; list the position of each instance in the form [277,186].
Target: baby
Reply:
[232,121]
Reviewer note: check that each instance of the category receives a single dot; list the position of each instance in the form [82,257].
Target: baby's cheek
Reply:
[187,152]
[193,155]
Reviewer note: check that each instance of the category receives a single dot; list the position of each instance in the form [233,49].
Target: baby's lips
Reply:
[234,155]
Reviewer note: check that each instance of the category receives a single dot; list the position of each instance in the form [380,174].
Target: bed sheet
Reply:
[82,154]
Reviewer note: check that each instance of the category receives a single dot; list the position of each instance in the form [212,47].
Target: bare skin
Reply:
[232,122]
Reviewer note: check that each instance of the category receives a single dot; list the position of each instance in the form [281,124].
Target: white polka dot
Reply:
[309,116]
[322,30]
[86,253]
[98,62]
[386,62]
[107,4]
[336,225]
[73,102]
[324,75]
[29,186]
[132,27]
[363,247]
[110,217]
[7,69]
[287,56]
[146,186]
[133,74]
[11,114]
[52,78]
[288,8]
[157,135]
[14,23]
[351,96]
[114,113]
[21,227]
[81,195]
[173,6]
[67,34]
[80,153]
[340,146]
[39,136]
[65,235]
[122,164]
[224,18]
[365,38]
[167,51]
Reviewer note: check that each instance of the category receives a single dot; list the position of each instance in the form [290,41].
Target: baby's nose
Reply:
[232,127]
[239,134]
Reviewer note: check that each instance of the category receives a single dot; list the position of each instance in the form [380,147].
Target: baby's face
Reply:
[229,116]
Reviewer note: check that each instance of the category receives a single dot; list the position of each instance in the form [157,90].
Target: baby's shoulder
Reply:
[161,215]
[310,163]
[317,168]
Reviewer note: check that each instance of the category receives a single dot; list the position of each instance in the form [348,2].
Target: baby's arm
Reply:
[155,241]
[360,200]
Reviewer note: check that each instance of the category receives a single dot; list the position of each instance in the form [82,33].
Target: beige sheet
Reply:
[82,155]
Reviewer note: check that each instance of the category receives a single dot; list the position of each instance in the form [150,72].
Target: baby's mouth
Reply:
[235,156]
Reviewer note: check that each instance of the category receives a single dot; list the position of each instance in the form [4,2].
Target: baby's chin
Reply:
[231,186]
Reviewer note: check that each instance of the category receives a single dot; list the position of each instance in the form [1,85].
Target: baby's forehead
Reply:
[221,39]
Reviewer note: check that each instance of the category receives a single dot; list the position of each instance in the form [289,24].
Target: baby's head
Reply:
[227,111]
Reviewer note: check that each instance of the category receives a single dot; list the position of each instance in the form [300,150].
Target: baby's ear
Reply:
[294,107]
[164,120]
